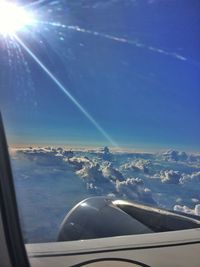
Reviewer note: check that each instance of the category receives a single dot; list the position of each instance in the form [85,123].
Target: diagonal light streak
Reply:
[133,42]
[65,91]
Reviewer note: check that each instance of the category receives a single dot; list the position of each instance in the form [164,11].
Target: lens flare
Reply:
[13,18]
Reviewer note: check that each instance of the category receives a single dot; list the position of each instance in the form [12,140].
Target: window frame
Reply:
[8,208]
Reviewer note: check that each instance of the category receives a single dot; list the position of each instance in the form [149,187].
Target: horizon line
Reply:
[134,148]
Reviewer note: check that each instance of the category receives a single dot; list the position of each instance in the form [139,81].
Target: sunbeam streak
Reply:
[135,42]
[65,91]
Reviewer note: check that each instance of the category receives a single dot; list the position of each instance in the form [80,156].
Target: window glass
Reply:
[100,98]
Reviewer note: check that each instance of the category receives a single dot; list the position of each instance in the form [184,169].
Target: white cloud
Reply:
[86,172]
[134,188]
[193,177]
[170,176]
[90,171]
[96,182]
[112,173]
[45,155]
[195,200]
[185,209]
[102,178]
[174,155]
[77,162]
[42,156]
[138,166]
[194,157]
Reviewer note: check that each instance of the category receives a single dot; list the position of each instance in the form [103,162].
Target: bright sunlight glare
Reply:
[12,18]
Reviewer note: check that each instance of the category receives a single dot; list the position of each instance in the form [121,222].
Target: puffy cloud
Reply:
[112,173]
[138,166]
[42,156]
[174,155]
[45,155]
[195,200]
[134,188]
[194,177]
[68,153]
[108,180]
[105,154]
[185,179]
[185,209]
[91,171]
[170,176]
[95,180]
[77,162]
[101,177]
[194,157]
[143,165]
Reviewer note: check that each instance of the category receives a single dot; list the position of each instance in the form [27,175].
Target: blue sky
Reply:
[133,65]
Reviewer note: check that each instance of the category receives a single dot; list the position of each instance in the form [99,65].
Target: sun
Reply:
[13,18]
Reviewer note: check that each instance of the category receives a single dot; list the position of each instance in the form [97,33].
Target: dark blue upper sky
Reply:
[132,64]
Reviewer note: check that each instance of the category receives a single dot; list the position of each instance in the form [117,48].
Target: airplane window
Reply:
[100,104]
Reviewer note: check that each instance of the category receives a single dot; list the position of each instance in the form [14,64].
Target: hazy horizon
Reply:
[150,148]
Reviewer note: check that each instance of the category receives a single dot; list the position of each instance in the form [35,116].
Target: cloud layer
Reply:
[61,177]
